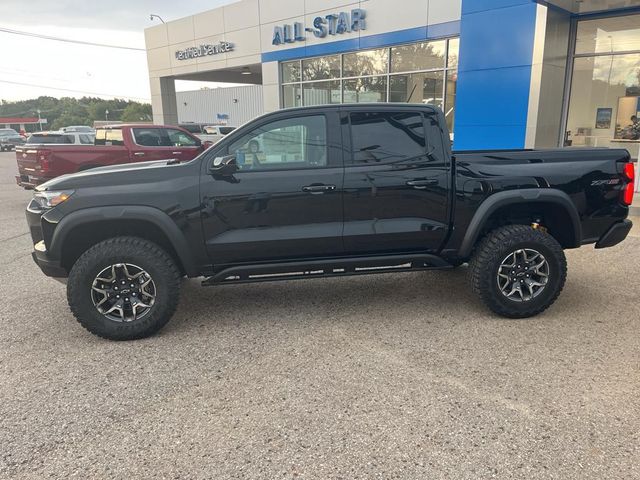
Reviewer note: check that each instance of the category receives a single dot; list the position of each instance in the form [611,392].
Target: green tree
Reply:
[61,112]
[137,112]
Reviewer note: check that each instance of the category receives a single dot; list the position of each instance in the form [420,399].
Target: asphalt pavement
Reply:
[387,376]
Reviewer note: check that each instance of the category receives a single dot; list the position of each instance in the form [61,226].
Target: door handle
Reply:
[139,154]
[317,189]
[176,153]
[422,184]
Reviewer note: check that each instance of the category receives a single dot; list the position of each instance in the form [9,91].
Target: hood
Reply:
[115,174]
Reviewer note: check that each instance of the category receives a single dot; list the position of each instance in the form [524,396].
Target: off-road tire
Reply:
[494,248]
[122,250]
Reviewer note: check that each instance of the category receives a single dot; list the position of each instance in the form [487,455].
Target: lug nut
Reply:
[115,288]
[117,296]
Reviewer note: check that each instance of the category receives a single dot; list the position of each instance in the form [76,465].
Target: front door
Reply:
[285,200]
[396,182]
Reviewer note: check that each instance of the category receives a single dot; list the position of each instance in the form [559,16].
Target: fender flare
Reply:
[126,212]
[514,197]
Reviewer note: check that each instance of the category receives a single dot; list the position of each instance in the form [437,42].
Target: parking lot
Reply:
[400,376]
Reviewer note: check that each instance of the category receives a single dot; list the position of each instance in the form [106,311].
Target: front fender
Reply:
[513,197]
[125,212]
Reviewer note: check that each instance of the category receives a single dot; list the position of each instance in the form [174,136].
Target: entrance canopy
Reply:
[581,7]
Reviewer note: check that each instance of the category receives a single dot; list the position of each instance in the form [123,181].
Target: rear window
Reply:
[192,127]
[226,130]
[109,137]
[86,139]
[385,137]
[40,138]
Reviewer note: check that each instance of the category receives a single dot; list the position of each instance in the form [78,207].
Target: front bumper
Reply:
[49,266]
[616,234]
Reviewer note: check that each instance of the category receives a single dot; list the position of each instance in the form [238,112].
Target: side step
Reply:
[326,268]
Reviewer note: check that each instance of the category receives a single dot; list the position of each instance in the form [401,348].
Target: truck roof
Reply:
[136,125]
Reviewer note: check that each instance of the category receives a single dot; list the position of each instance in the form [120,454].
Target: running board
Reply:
[324,269]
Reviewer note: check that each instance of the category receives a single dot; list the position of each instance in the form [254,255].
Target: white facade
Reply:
[249,26]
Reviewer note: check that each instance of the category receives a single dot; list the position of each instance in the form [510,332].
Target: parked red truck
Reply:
[117,144]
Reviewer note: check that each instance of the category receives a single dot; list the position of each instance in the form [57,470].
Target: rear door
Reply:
[153,143]
[396,182]
[285,201]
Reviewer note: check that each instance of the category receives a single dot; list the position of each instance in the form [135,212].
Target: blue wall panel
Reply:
[496,53]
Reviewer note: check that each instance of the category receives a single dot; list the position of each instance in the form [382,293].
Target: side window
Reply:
[101,137]
[150,137]
[114,137]
[385,137]
[180,139]
[69,139]
[85,139]
[294,143]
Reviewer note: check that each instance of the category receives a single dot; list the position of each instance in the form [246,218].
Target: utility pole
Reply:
[39,120]
[106,114]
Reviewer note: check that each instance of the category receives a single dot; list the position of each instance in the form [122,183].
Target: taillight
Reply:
[627,193]
[43,160]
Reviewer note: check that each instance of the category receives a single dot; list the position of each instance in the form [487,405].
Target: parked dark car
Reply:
[10,139]
[320,192]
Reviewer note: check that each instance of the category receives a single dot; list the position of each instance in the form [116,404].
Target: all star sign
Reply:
[332,24]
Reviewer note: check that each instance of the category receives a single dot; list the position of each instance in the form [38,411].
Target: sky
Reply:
[30,67]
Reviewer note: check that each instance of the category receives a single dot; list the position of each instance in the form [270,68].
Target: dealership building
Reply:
[507,73]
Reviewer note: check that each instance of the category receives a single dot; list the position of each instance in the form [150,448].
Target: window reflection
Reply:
[423,72]
[426,88]
[365,90]
[290,71]
[321,68]
[291,95]
[418,56]
[322,93]
[604,98]
[370,62]
[605,35]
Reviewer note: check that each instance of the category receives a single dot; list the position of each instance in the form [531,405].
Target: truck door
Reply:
[285,199]
[154,143]
[396,182]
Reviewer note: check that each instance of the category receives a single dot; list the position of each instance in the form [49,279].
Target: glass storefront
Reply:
[424,72]
[604,104]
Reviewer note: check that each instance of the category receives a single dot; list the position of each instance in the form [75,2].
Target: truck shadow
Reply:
[422,294]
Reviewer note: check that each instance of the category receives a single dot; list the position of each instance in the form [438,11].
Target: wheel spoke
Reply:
[123,292]
[523,275]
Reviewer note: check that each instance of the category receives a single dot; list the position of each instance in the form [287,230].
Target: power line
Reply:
[70,90]
[67,40]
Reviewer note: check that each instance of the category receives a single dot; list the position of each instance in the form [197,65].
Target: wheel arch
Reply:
[566,226]
[81,230]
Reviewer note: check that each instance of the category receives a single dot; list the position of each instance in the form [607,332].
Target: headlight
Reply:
[45,200]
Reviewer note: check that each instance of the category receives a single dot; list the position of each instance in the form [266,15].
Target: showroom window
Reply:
[604,104]
[423,72]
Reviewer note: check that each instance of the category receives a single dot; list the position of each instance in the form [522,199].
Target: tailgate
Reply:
[27,159]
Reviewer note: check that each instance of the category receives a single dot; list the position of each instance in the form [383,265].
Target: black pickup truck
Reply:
[320,192]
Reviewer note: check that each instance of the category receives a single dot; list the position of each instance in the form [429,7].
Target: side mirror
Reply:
[224,166]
